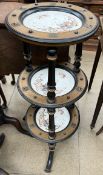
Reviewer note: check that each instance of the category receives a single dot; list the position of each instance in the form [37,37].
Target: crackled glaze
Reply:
[52,21]
[64,82]
[62,119]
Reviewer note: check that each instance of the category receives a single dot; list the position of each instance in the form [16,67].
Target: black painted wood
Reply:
[78,54]
[98,107]
[96,61]
[50,158]
[27,56]
[51,75]
[4,119]
[4,105]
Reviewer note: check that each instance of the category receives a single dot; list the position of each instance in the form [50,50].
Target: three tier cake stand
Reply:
[52,89]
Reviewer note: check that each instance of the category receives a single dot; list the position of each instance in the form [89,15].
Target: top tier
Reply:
[52,24]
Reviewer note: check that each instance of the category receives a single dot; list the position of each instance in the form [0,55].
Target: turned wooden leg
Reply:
[97,57]
[98,107]
[13,79]
[3,98]
[27,56]
[78,54]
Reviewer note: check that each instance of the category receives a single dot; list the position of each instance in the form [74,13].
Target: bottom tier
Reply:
[66,123]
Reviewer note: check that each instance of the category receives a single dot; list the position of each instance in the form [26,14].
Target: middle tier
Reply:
[70,86]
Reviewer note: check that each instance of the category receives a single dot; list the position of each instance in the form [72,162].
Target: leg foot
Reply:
[13,79]
[2,137]
[50,158]
[100,131]
[13,82]
[49,162]
[24,117]
[91,127]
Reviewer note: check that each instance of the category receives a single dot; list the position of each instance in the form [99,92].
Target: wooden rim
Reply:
[15,25]
[60,136]
[31,96]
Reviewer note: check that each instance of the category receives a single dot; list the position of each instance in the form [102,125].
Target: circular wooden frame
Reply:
[15,25]
[60,136]
[33,97]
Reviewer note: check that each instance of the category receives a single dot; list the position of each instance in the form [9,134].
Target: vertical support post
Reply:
[51,113]
[51,99]
[78,55]
[51,137]
[27,56]
[51,75]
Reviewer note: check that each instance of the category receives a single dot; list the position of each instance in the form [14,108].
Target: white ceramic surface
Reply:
[64,82]
[62,119]
[52,21]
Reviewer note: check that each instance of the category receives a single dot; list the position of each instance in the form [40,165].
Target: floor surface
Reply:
[82,154]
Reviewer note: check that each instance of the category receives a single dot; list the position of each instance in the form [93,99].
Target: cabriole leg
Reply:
[50,157]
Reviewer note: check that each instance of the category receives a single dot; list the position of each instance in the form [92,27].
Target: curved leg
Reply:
[97,57]
[3,98]
[49,162]
[100,131]
[15,122]
[2,137]
[4,119]
[50,158]
[98,107]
